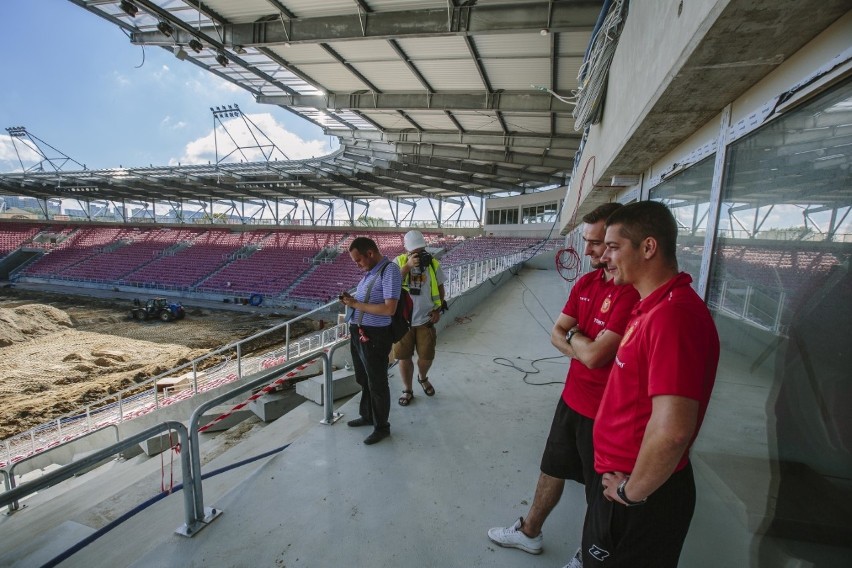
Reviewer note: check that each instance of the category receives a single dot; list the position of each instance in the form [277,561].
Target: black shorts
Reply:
[568,453]
[650,535]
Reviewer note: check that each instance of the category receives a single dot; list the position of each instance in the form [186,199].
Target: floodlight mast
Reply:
[262,142]
[57,161]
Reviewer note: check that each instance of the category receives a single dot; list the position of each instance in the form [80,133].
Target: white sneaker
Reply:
[576,561]
[512,537]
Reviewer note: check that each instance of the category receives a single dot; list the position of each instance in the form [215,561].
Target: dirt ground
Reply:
[59,352]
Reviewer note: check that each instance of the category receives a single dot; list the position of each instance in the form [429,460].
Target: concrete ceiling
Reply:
[704,84]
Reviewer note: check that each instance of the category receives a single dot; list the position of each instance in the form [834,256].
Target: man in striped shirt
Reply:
[369,316]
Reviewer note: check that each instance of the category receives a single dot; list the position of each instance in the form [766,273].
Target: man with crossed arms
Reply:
[588,330]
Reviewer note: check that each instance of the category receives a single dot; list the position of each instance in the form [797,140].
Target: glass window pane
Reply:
[777,441]
[688,196]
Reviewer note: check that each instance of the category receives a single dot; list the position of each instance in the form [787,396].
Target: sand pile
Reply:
[29,322]
[59,353]
[65,370]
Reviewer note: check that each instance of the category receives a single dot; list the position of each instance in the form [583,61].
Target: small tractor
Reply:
[157,308]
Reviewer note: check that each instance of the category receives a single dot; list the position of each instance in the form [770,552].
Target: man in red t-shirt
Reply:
[654,402]
[588,330]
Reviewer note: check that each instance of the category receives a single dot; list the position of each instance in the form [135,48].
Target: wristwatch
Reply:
[623,495]
[571,334]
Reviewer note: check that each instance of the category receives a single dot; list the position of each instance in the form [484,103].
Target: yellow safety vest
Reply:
[433,278]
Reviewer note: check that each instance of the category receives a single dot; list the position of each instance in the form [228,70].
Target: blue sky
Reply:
[75,81]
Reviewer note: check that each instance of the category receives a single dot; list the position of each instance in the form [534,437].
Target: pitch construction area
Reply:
[59,352]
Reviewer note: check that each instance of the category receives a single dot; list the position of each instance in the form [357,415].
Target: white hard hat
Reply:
[414,240]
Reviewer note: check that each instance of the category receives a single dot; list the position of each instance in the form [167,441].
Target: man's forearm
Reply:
[597,352]
[666,438]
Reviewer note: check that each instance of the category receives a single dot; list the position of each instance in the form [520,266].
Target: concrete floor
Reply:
[455,465]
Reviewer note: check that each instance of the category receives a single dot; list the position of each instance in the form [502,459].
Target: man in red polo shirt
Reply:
[588,330]
[654,402]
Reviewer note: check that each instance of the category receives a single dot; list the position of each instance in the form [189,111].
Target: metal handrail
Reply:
[6,483]
[329,416]
[210,514]
[11,474]
[68,471]
[460,278]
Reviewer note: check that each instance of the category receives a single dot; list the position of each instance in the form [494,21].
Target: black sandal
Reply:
[427,386]
[406,398]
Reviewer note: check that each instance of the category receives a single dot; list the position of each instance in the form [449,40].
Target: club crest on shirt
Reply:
[605,305]
[598,553]
[628,333]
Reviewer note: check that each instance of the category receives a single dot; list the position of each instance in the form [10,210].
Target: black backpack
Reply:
[401,319]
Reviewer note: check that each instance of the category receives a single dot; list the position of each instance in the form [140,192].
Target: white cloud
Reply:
[161,73]
[120,79]
[9,161]
[203,150]
[224,85]
[167,123]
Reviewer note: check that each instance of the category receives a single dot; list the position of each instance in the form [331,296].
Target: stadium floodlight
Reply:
[128,8]
[221,59]
[17,131]
[195,45]
[180,52]
[165,28]
[227,111]
[240,50]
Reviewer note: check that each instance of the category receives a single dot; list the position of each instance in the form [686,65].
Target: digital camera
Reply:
[425,259]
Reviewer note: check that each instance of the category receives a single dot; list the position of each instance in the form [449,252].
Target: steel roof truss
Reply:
[520,102]
[438,22]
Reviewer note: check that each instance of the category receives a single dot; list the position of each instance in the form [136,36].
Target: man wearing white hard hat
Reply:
[423,278]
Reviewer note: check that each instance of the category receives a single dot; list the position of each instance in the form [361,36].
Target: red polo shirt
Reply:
[671,347]
[596,305]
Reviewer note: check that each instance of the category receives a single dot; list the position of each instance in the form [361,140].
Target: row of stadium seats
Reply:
[308,265]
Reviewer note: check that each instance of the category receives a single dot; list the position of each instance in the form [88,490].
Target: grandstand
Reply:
[286,267]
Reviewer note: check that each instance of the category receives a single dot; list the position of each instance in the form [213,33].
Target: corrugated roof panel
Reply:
[456,75]
[388,119]
[474,121]
[242,12]
[573,43]
[355,120]
[419,48]
[565,124]
[516,74]
[334,77]
[432,120]
[497,2]
[568,69]
[390,76]
[526,122]
[302,53]
[512,45]
[365,50]
[314,9]
[398,5]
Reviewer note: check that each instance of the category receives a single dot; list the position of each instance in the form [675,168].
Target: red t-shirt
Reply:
[596,305]
[671,347]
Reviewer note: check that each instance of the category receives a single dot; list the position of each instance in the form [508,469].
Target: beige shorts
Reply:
[423,337]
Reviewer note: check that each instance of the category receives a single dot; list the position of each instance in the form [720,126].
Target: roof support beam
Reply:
[439,22]
[530,102]
[532,141]
[389,150]
[437,184]
[485,169]
[467,179]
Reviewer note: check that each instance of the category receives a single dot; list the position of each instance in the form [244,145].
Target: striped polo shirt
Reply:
[387,286]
